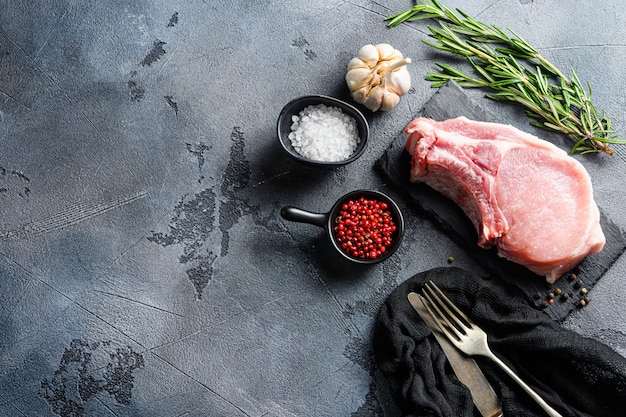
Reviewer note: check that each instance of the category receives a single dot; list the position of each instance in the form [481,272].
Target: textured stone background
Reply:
[144,268]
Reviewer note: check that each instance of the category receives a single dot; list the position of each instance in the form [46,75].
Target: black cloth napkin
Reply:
[577,375]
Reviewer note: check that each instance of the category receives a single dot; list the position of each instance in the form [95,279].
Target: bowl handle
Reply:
[295,214]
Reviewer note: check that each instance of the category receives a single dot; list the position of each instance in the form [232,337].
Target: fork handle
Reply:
[549,410]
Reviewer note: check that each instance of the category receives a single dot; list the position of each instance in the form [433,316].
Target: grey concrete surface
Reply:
[144,267]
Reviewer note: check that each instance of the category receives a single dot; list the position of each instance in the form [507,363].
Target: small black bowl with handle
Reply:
[295,106]
[330,220]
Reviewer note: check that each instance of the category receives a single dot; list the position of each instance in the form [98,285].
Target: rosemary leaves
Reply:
[516,73]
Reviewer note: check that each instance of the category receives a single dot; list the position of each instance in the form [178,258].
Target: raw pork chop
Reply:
[524,195]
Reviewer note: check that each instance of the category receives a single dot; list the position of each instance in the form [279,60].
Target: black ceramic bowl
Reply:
[295,106]
[328,222]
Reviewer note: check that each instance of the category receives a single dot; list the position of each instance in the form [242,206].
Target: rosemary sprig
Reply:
[516,72]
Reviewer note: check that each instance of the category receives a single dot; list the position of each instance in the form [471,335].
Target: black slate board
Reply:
[448,102]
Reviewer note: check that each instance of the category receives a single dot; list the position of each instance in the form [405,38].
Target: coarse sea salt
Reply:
[324,133]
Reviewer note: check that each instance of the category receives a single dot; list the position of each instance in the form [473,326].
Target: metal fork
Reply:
[468,337]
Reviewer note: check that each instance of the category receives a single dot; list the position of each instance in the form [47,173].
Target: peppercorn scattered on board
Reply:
[568,293]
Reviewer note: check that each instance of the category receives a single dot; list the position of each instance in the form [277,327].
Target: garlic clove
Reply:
[361,94]
[369,54]
[400,80]
[358,77]
[389,101]
[374,98]
[386,52]
[357,63]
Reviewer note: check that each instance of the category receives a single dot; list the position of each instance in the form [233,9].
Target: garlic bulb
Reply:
[377,77]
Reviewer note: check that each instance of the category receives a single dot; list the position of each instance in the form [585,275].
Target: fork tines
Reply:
[445,312]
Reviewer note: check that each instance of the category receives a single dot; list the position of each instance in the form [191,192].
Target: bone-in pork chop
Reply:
[524,195]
